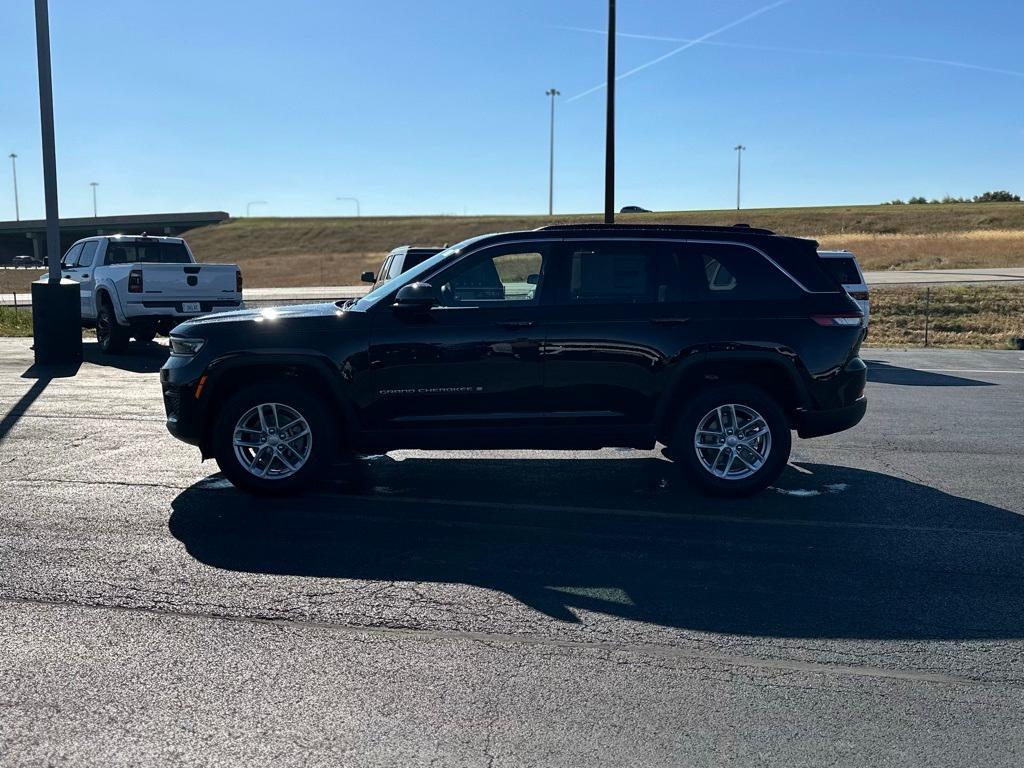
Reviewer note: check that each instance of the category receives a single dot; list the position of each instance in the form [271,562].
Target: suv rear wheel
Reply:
[732,440]
[273,437]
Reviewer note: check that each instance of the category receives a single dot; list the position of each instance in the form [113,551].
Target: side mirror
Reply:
[533,279]
[368,277]
[415,297]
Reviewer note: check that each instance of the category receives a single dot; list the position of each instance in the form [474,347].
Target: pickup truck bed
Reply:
[138,286]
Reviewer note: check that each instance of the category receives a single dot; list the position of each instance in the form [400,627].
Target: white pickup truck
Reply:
[135,286]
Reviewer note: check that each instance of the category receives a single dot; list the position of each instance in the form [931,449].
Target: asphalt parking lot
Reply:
[509,609]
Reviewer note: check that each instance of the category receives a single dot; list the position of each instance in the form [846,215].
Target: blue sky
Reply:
[424,108]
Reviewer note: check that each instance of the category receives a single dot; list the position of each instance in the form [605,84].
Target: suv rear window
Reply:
[147,252]
[843,269]
[737,273]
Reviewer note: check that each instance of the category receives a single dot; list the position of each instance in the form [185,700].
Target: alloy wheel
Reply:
[272,441]
[732,441]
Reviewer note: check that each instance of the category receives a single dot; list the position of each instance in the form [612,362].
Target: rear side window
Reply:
[146,252]
[617,272]
[726,272]
[88,254]
[843,269]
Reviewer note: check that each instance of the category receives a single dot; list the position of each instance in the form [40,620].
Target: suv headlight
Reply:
[185,347]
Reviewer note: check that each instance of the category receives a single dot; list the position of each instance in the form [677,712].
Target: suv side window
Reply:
[736,273]
[619,272]
[500,276]
[88,254]
[395,266]
[70,259]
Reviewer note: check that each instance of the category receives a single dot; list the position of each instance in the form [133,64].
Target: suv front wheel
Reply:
[273,437]
[732,440]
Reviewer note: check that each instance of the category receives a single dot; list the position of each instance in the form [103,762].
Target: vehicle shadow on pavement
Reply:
[883,373]
[137,358]
[833,552]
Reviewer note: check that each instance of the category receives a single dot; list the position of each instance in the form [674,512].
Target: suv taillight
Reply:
[135,281]
[839,320]
[238,280]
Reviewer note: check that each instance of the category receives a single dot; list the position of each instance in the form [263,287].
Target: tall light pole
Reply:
[14,175]
[56,304]
[552,92]
[351,200]
[609,142]
[94,184]
[249,205]
[740,149]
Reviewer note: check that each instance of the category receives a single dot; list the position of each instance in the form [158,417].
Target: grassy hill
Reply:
[333,251]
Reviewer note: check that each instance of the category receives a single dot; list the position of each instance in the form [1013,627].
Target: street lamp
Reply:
[14,175]
[609,139]
[351,200]
[56,303]
[552,92]
[94,184]
[249,205]
[740,149]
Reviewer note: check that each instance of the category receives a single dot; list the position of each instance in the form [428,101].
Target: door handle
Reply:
[669,320]
[85,277]
[515,323]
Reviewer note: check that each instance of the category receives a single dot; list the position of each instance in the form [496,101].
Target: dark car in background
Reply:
[400,260]
[716,342]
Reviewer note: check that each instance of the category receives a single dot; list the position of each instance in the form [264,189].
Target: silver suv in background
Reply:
[401,259]
[843,266]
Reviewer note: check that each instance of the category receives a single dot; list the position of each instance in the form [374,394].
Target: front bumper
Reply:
[184,412]
[818,423]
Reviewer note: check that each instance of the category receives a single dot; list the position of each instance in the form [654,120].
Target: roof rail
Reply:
[592,226]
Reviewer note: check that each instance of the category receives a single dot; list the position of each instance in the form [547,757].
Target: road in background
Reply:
[267,296]
[514,608]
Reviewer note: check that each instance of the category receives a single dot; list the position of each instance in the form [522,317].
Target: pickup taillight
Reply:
[238,280]
[135,281]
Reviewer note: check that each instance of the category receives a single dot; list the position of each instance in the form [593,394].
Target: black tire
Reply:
[307,404]
[144,335]
[112,337]
[684,453]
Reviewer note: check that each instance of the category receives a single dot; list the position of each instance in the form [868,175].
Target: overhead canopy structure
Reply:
[28,238]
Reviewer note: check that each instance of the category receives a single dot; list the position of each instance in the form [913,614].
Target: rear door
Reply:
[619,323]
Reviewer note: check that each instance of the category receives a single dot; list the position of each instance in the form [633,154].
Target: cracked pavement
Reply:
[513,608]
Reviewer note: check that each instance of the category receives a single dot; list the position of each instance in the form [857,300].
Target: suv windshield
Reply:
[411,275]
[146,252]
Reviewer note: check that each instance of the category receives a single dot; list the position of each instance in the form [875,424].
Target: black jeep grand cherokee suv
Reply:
[715,341]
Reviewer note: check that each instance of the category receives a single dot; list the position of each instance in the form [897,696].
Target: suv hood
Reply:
[267,314]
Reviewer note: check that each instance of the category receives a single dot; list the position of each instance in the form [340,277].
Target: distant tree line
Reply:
[1000,196]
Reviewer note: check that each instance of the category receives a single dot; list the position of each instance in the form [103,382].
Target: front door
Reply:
[470,362]
[85,276]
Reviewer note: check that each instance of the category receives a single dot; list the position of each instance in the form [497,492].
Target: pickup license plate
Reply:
[191,306]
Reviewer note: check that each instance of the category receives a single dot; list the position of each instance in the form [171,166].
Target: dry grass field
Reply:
[323,251]
[334,251]
[989,316]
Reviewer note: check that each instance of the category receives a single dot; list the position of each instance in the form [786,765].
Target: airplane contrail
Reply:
[686,45]
[818,51]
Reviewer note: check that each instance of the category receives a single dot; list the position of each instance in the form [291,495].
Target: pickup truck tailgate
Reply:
[186,282]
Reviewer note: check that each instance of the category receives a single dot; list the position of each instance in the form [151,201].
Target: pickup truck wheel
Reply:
[273,438]
[732,440]
[112,337]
